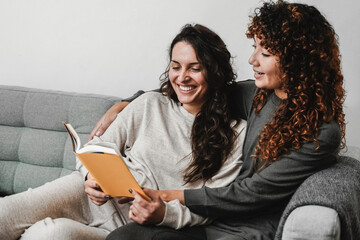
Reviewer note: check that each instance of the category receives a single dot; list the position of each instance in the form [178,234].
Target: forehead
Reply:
[258,41]
[183,51]
[269,49]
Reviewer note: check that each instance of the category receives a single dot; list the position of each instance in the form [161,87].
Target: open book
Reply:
[106,166]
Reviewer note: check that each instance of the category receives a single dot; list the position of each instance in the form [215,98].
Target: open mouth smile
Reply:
[186,88]
[258,74]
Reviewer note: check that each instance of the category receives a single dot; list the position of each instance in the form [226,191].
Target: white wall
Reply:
[116,47]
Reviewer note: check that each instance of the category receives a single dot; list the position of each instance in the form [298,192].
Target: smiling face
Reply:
[266,69]
[187,77]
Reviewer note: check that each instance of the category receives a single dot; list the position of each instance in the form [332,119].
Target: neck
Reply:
[280,93]
[192,109]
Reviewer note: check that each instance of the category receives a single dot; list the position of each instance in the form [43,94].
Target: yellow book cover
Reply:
[106,166]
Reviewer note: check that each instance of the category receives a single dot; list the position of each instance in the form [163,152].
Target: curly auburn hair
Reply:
[310,73]
[212,134]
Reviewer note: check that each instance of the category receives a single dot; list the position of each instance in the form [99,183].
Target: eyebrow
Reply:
[193,63]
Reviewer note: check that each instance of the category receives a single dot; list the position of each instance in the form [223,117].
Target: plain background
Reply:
[117,47]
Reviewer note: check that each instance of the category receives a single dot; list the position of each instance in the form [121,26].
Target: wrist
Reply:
[169,195]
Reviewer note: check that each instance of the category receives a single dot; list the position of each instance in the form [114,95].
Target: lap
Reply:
[262,227]
[254,229]
[151,232]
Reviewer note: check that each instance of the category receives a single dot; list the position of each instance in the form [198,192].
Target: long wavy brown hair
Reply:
[212,134]
[310,73]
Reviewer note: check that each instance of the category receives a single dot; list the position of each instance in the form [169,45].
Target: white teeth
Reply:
[259,73]
[186,88]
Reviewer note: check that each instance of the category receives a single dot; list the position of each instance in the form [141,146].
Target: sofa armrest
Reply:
[312,222]
[337,188]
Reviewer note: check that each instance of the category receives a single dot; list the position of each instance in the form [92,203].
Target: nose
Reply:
[253,59]
[183,75]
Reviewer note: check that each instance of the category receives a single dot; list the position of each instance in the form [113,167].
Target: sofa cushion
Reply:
[34,145]
[312,222]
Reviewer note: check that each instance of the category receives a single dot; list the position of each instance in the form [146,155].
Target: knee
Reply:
[62,228]
[312,222]
[48,228]
[44,229]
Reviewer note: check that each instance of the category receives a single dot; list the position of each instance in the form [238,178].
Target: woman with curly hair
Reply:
[294,111]
[183,137]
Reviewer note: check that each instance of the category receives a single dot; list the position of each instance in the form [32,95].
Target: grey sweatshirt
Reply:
[260,197]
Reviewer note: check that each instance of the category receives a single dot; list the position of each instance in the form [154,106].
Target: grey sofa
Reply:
[34,149]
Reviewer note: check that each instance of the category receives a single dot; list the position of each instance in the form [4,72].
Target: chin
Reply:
[259,83]
[183,100]
[263,84]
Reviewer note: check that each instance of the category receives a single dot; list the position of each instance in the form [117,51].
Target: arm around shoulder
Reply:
[110,115]
[107,119]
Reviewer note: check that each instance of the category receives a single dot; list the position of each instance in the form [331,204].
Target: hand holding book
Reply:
[106,166]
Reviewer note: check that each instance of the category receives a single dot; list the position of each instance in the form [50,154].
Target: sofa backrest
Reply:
[34,145]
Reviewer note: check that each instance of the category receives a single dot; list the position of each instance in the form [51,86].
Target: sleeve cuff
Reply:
[195,200]
[171,216]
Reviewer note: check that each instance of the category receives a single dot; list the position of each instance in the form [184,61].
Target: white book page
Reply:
[99,147]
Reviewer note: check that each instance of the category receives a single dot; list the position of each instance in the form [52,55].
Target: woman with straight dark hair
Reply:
[183,137]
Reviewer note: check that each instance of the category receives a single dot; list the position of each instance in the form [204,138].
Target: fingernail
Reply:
[97,133]
[130,190]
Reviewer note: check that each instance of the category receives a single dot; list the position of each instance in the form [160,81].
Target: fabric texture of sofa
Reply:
[35,148]
[34,145]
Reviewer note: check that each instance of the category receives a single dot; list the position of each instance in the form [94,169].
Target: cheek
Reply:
[272,71]
[172,84]
[274,80]
[204,86]
[172,76]
[200,79]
